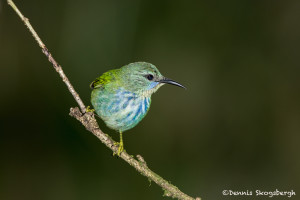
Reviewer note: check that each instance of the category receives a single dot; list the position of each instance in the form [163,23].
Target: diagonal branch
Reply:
[88,120]
[56,66]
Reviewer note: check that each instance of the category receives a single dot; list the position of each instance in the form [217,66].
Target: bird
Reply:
[122,97]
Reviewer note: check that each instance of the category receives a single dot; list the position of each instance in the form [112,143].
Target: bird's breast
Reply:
[121,110]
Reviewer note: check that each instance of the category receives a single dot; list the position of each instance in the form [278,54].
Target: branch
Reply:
[56,66]
[89,122]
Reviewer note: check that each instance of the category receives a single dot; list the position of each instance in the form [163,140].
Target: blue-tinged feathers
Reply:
[152,85]
[121,110]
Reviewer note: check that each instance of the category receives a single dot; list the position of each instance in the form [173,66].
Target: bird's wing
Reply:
[104,79]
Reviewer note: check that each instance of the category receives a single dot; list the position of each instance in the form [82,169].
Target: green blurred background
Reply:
[236,127]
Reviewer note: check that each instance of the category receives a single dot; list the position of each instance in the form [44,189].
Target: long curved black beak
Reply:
[169,81]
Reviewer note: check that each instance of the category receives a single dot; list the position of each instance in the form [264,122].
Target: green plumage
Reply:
[104,79]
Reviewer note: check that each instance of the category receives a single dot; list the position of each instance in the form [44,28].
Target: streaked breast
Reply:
[122,110]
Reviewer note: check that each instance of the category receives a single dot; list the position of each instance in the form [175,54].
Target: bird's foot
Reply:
[88,109]
[120,149]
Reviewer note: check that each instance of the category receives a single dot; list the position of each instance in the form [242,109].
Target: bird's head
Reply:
[143,78]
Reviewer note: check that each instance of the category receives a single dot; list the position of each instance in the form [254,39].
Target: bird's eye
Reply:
[149,77]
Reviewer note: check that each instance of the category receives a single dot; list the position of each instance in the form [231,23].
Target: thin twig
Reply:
[56,66]
[88,120]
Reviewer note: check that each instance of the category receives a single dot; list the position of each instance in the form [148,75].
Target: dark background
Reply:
[236,127]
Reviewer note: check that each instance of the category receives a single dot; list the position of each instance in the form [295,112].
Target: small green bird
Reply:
[122,97]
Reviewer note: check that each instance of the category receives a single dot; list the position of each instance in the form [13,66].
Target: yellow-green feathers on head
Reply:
[140,77]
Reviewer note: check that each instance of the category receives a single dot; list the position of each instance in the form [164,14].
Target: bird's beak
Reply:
[169,81]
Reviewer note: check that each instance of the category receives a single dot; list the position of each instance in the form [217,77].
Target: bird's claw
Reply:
[88,109]
[120,149]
